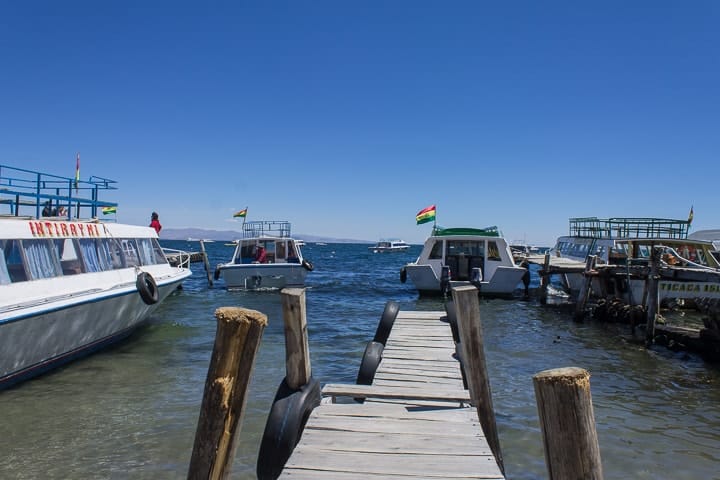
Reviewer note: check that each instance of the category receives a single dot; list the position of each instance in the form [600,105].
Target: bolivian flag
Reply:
[109,210]
[241,213]
[425,215]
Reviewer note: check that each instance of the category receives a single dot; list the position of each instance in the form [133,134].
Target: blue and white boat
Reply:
[281,264]
[69,285]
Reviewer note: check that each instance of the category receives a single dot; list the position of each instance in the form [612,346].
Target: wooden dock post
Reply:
[585,289]
[238,335]
[467,308]
[652,295]
[567,422]
[545,279]
[297,351]
[206,262]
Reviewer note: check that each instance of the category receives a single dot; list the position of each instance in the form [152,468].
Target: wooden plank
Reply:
[427,466]
[365,391]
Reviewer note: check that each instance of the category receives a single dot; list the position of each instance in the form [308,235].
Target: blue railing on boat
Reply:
[266,228]
[618,227]
[27,191]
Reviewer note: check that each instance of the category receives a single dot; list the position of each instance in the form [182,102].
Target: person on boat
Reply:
[49,211]
[62,212]
[260,255]
[155,222]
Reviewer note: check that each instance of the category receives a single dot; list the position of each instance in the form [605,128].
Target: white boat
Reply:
[629,241]
[282,264]
[68,286]
[480,256]
[389,246]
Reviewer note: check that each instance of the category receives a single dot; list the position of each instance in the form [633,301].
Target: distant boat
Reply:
[267,257]
[389,246]
[320,243]
[476,255]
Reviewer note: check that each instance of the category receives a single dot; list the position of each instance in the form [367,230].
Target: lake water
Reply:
[130,412]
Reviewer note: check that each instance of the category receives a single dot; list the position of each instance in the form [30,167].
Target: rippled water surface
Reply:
[131,411]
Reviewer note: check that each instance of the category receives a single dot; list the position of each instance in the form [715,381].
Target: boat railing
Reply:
[177,258]
[269,228]
[594,227]
[27,191]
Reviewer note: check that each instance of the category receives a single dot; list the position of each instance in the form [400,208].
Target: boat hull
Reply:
[263,275]
[503,282]
[41,336]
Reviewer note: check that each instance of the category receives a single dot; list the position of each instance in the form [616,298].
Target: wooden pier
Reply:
[416,421]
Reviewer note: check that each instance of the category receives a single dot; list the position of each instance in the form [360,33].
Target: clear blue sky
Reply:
[347,118]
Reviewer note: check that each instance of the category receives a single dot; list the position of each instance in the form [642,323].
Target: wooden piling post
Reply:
[467,309]
[567,422]
[206,262]
[545,279]
[238,335]
[652,295]
[297,352]
[585,288]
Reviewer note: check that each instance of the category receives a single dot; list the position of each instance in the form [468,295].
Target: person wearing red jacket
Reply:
[155,222]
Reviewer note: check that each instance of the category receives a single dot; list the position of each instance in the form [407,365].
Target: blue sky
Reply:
[347,118]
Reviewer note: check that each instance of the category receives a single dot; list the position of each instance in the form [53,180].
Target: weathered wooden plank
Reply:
[444,414]
[428,466]
[365,391]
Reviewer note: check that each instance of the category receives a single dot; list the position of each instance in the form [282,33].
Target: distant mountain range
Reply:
[229,235]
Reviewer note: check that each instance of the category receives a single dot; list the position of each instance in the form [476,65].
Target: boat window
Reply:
[147,252]
[465,247]
[14,261]
[130,252]
[69,260]
[4,274]
[117,255]
[159,254]
[95,255]
[42,259]
[280,250]
[436,252]
[493,252]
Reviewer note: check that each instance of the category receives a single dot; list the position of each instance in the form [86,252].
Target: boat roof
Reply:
[628,227]
[466,231]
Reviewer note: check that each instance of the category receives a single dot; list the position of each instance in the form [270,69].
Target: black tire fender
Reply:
[285,423]
[308,266]
[369,364]
[216,275]
[147,288]
[403,275]
[386,321]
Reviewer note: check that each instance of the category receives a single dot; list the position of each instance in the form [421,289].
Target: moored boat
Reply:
[629,242]
[480,256]
[70,286]
[389,246]
[267,257]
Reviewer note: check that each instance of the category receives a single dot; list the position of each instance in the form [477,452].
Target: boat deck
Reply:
[416,421]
